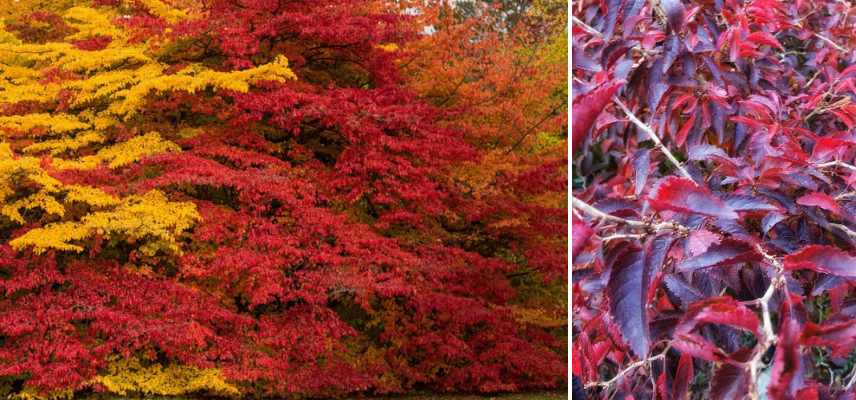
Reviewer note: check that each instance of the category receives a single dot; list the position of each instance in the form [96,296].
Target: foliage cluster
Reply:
[714,219]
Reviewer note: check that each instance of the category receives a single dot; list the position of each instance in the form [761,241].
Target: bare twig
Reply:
[653,137]
[622,236]
[836,163]
[585,27]
[824,107]
[654,226]
[833,44]
[852,379]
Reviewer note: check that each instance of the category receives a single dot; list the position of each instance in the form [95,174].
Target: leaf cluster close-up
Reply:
[714,211]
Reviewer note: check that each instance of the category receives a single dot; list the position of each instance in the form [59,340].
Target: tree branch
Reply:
[833,44]
[653,137]
[658,226]
[626,370]
[770,337]
[585,27]
[836,163]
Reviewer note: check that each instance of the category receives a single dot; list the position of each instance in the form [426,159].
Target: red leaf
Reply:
[681,137]
[580,235]
[826,259]
[761,37]
[821,200]
[810,393]
[840,336]
[719,310]
[699,241]
[683,195]
[586,109]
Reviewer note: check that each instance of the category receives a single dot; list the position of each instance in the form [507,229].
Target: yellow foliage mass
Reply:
[59,123]
[194,79]
[124,377]
[121,154]
[100,90]
[62,145]
[150,218]
[91,23]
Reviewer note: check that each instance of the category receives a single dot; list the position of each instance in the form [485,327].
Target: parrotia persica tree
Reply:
[714,218]
[264,198]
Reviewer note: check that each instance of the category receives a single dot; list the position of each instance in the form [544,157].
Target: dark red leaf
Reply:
[586,109]
[683,376]
[675,11]
[682,195]
[726,253]
[826,259]
[810,393]
[787,373]
[729,382]
[696,346]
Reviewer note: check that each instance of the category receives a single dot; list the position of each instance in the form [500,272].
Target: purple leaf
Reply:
[699,241]
[770,220]
[685,293]
[583,61]
[627,290]
[674,13]
[657,77]
[703,152]
[748,203]
[641,164]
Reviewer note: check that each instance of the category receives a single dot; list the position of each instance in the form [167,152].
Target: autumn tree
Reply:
[252,198]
